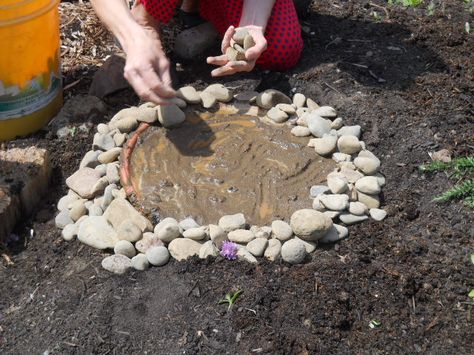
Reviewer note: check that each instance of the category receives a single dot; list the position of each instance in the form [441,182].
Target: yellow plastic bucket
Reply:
[30,75]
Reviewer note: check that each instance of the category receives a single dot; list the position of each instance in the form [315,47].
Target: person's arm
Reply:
[255,16]
[146,68]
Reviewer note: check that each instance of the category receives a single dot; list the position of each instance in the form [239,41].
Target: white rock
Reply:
[299,100]
[140,262]
[309,246]
[101,169]
[112,173]
[69,232]
[371,201]
[62,219]
[208,100]
[289,109]
[368,166]
[241,236]
[381,179]
[301,113]
[325,111]
[120,209]
[168,231]
[198,233]
[281,230]
[277,115]
[336,184]
[183,248]
[102,128]
[110,155]
[208,249]
[163,222]
[341,157]
[120,138]
[332,214]
[232,222]
[66,201]
[128,230]
[244,254]
[99,187]
[219,91]
[300,131]
[350,131]
[217,235]
[351,175]
[188,223]
[171,115]
[348,218]
[78,209]
[158,256]
[124,125]
[189,94]
[335,202]
[108,196]
[337,123]
[124,247]
[358,208]
[317,125]
[317,190]
[257,246]
[90,159]
[309,224]
[118,264]
[270,98]
[273,250]
[325,145]
[147,114]
[348,144]
[97,233]
[102,142]
[317,205]
[368,185]
[335,234]
[378,214]
[148,240]
[293,251]
[82,182]
[312,105]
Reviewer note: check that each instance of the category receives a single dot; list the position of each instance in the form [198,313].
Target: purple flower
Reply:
[229,250]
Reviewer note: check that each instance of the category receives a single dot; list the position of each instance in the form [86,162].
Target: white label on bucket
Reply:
[16,102]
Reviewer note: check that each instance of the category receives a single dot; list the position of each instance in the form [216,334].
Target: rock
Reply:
[234,54]
[246,96]
[97,233]
[371,201]
[337,184]
[158,256]
[335,234]
[332,214]
[198,233]
[120,138]
[183,248]
[257,246]
[148,240]
[232,222]
[368,166]
[300,131]
[351,175]
[277,115]
[312,105]
[241,236]
[368,185]
[299,100]
[110,155]
[348,144]
[112,173]
[188,223]
[168,231]
[335,202]
[90,159]
[380,179]
[317,125]
[109,77]
[325,112]
[189,94]
[341,157]
[301,113]
[102,128]
[101,169]
[443,155]
[281,230]
[102,142]
[208,249]
[66,201]
[309,224]
[309,246]
[118,264]
[124,113]
[95,210]
[99,187]
[128,230]
[79,108]
[69,232]
[78,209]
[217,235]
[239,35]
[171,115]
[219,91]
[273,250]
[317,205]
[350,131]
[358,208]
[377,214]
[317,190]
[125,125]
[348,218]
[248,42]
[325,145]
[119,193]
[140,262]
[63,219]
[147,113]
[108,196]
[178,102]
[337,123]
[165,221]
[270,98]
[208,100]
[192,42]
[124,247]
[293,251]
[120,210]
[289,109]
[244,254]
[82,182]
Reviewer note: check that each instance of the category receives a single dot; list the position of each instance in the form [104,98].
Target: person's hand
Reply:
[147,68]
[228,67]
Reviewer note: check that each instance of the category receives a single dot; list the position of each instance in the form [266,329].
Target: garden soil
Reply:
[407,78]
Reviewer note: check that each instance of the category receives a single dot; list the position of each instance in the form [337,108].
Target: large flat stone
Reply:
[24,179]
[120,210]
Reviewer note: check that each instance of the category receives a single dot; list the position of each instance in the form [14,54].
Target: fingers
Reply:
[253,53]
[219,60]
[163,69]
[148,86]
[232,68]
[227,38]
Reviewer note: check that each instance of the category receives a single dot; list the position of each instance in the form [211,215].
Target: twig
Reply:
[382,8]
[331,87]
[68,86]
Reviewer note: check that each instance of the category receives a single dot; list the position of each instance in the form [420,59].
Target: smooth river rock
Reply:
[158,256]
[120,210]
[232,222]
[293,251]
[97,232]
[273,250]
[82,182]
[241,236]
[281,230]
[309,224]
[183,248]
[257,246]
[118,264]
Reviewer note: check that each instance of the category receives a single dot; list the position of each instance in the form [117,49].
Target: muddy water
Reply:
[225,162]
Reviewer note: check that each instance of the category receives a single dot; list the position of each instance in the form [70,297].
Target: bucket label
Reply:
[16,102]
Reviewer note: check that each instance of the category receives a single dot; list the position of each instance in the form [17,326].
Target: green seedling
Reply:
[231,298]
[472,258]
[406,3]
[374,323]
[430,9]
[471,295]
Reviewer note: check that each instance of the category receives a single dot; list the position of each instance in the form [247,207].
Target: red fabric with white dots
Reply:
[283,31]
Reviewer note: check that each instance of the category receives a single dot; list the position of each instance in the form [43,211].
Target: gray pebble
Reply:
[293,251]
[117,264]
[378,214]
[158,256]
[281,230]
[124,247]
[140,262]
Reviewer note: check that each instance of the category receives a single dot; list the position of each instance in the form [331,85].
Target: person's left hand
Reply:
[228,67]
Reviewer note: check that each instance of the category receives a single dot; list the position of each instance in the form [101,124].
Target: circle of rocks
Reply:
[97,212]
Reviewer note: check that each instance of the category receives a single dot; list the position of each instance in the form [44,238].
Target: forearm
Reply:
[256,13]
[116,15]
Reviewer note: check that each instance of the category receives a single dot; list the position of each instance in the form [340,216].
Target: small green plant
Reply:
[374,323]
[406,3]
[461,169]
[430,9]
[231,298]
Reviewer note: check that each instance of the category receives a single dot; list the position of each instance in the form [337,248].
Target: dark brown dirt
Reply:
[225,161]
[407,78]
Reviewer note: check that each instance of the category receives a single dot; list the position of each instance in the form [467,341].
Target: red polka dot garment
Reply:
[283,31]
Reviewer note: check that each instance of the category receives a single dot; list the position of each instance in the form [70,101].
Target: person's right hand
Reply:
[147,68]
